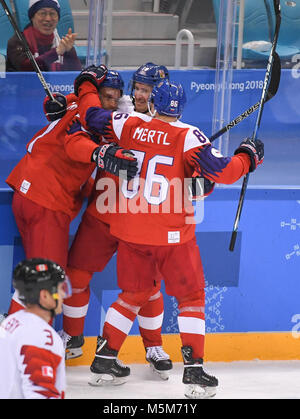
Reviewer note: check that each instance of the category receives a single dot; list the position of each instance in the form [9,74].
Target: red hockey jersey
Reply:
[56,167]
[154,206]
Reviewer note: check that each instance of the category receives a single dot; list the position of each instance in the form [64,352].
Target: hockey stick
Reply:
[28,52]
[272,90]
[257,124]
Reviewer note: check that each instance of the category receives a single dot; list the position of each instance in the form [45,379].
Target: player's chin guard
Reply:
[33,275]
[168,98]
[149,74]
[55,109]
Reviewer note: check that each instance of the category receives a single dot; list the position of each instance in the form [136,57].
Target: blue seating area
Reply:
[259,24]
[6,30]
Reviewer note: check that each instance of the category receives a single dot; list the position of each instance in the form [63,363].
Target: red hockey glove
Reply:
[254,149]
[116,160]
[54,110]
[93,74]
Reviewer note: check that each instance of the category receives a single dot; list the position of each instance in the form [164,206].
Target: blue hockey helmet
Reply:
[149,74]
[168,98]
[114,80]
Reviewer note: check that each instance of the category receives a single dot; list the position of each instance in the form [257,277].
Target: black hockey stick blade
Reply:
[27,51]
[275,77]
[273,57]
[271,92]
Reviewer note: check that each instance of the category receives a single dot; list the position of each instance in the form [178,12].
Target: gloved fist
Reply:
[116,160]
[98,120]
[254,149]
[55,109]
[93,74]
[200,187]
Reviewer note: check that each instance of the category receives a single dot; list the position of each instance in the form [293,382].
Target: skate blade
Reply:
[163,375]
[195,391]
[105,380]
[73,353]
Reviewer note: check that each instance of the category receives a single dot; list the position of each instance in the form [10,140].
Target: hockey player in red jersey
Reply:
[32,361]
[150,316]
[53,177]
[94,246]
[153,231]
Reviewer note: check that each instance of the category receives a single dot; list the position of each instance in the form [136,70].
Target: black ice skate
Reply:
[159,361]
[199,385]
[106,368]
[73,344]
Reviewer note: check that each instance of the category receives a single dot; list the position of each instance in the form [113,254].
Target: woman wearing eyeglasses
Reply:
[51,52]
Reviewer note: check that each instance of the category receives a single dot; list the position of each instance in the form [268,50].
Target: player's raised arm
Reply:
[210,163]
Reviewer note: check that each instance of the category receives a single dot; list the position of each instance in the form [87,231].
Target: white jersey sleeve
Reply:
[31,358]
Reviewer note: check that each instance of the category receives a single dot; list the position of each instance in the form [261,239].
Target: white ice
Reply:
[237,380]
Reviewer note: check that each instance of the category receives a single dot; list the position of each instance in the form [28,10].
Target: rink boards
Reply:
[252,294]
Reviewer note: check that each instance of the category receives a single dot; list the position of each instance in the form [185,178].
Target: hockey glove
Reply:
[116,160]
[98,120]
[54,110]
[200,187]
[93,74]
[254,149]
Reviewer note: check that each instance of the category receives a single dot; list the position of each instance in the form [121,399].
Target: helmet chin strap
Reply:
[149,110]
[51,310]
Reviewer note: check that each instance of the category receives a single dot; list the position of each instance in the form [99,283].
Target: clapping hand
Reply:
[66,43]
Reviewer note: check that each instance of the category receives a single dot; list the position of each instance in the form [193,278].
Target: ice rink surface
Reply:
[237,380]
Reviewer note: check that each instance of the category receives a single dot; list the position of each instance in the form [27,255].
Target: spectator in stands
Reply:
[51,52]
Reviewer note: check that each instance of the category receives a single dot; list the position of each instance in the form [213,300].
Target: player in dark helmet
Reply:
[31,352]
[113,79]
[142,82]
[31,276]
[111,90]
[168,98]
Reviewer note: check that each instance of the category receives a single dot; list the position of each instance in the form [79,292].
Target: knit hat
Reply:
[36,5]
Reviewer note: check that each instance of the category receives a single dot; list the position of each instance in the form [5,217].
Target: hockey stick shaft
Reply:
[258,120]
[272,90]
[27,50]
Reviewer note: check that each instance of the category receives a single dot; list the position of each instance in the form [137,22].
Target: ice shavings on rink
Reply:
[237,380]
